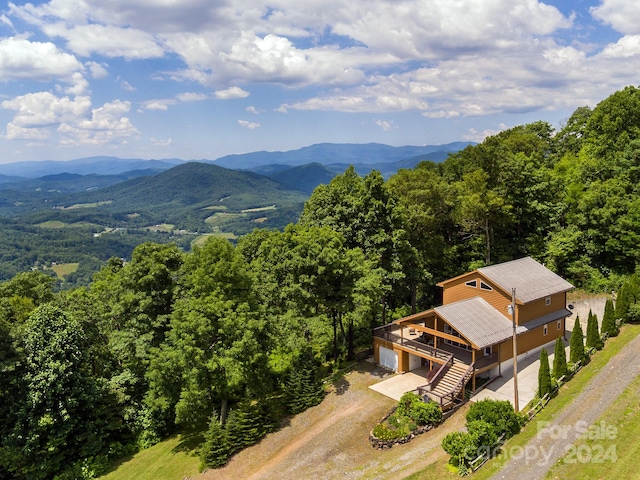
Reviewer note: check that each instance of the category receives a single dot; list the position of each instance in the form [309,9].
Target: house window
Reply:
[547,301]
[484,286]
[559,324]
[545,330]
[472,283]
[451,331]
[488,351]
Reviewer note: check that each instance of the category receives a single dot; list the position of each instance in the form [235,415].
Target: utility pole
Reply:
[512,310]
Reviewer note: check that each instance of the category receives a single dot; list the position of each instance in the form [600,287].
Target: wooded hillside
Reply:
[214,341]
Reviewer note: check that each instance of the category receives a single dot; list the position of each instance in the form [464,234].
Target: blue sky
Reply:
[201,79]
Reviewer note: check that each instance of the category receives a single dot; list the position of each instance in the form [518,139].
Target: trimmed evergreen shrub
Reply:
[576,344]
[544,376]
[559,360]
[609,325]
[593,335]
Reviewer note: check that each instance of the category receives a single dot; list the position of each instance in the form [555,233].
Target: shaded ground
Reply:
[331,440]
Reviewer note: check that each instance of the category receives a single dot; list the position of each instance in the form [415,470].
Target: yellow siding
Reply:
[456,290]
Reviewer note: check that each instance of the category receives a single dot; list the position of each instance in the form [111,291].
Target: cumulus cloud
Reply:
[21,59]
[252,109]
[441,58]
[98,70]
[620,14]
[232,92]
[39,114]
[249,125]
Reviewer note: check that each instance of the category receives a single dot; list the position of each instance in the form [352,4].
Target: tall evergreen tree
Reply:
[593,335]
[576,344]
[559,359]
[544,376]
[609,325]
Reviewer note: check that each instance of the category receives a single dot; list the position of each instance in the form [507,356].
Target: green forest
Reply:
[225,340]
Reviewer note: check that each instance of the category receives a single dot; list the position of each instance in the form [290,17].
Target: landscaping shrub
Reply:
[560,368]
[499,413]
[460,446]
[426,413]
[576,344]
[609,325]
[593,335]
[544,376]
[633,314]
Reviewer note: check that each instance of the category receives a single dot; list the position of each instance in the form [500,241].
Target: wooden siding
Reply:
[531,340]
[456,290]
[537,308]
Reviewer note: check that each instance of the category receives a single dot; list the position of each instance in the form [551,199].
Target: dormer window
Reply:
[484,286]
[472,283]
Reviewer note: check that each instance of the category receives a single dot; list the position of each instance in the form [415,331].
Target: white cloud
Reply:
[21,59]
[192,97]
[384,125]
[620,14]
[127,86]
[249,125]
[161,143]
[476,136]
[158,105]
[39,114]
[252,109]
[230,93]
[97,70]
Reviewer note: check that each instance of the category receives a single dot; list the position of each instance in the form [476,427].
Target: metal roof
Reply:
[478,321]
[531,280]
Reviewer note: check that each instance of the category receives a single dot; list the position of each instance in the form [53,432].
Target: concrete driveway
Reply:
[399,384]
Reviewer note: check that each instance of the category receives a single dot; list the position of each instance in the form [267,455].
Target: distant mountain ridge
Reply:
[335,156]
[337,153]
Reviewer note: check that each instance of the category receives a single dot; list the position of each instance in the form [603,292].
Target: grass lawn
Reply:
[199,241]
[172,459]
[615,455]
[64,269]
[52,224]
[163,227]
[568,392]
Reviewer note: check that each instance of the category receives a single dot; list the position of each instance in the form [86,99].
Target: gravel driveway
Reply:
[552,441]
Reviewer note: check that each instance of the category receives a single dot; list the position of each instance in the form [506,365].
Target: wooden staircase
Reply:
[448,386]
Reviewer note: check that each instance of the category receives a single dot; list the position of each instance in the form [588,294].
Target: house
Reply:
[471,334]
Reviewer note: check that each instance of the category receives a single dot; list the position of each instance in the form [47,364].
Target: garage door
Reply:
[389,359]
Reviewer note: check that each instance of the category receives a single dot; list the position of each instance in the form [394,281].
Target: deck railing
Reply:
[440,355]
[433,379]
[487,360]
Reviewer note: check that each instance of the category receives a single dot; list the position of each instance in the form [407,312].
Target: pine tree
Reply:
[544,376]
[559,360]
[609,319]
[593,335]
[576,344]
[303,389]
[215,450]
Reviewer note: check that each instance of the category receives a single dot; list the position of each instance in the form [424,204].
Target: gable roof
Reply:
[531,279]
[477,321]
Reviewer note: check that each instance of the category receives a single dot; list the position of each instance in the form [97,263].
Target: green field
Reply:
[259,209]
[64,269]
[199,241]
[163,227]
[172,459]
[52,224]
[86,205]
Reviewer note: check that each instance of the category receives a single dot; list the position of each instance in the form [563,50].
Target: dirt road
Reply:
[331,440]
